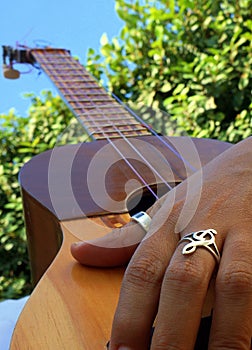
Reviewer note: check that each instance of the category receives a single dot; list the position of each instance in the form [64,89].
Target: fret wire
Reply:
[77,86]
[74,80]
[88,97]
[121,112]
[65,68]
[122,122]
[104,116]
[80,92]
[85,97]
[84,100]
[51,54]
[61,67]
[108,133]
[98,137]
[103,129]
[118,125]
[84,112]
[131,124]
[71,73]
[107,107]
[88,105]
[84,93]
[85,108]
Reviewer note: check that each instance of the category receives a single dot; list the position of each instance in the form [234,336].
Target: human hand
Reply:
[160,283]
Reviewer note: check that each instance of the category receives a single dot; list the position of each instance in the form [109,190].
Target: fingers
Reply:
[140,291]
[232,318]
[161,282]
[182,298]
[179,295]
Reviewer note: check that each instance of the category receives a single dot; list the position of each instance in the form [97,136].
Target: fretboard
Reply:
[100,114]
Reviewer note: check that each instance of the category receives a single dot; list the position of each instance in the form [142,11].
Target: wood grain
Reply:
[72,306]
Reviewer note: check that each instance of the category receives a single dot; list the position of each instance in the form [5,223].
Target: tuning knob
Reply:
[10,73]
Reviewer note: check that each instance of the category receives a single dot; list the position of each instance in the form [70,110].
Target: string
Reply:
[143,158]
[121,154]
[148,127]
[132,146]
[132,167]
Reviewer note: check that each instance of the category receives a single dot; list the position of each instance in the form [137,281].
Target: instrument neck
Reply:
[100,114]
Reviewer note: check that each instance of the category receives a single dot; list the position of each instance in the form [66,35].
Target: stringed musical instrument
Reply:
[81,191]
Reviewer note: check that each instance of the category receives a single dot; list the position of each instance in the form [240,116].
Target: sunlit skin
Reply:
[162,283]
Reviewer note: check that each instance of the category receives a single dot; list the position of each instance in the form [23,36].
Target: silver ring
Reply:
[143,219]
[204,239]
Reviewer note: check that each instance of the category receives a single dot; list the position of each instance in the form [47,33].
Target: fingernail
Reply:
[122,347]
[76,244]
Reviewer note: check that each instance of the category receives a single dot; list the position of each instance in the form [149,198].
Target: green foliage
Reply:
[191,59]
[20,139]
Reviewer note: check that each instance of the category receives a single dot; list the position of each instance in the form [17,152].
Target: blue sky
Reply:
[75,25]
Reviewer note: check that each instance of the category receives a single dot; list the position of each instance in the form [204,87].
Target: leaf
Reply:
[104,39]
[178,89]
[166,87]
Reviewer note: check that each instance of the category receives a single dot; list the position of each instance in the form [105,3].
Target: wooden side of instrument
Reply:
[72,306]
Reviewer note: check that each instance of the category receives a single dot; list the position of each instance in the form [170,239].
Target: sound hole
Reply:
[143,199]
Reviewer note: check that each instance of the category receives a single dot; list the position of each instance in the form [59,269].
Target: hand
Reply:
[163,285]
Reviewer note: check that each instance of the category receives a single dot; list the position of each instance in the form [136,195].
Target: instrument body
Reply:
[73,305]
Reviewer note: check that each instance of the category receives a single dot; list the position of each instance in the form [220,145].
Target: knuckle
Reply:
[162,343]
[223,342]
[186,275]
[161,346]
[145,271]
[236,278]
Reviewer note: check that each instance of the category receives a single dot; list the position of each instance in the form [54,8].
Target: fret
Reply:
[79,80]
[119,129]
[98,135]
[90,104]
[81,98]
[100,106]
[87,111]
[120,126]
[78,83]
[100,114]
[112,123]
[65,85]
[94,113]
[81,92]
[119,122]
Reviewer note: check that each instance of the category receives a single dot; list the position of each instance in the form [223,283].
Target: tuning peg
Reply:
[10,73]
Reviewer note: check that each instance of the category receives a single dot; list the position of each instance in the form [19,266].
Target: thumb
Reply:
[117,247]
[114,249]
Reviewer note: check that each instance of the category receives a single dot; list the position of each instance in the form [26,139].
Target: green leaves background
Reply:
[20,139]
[190,59]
